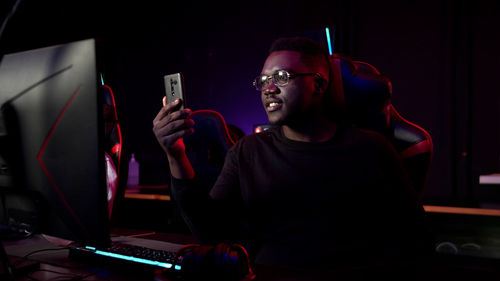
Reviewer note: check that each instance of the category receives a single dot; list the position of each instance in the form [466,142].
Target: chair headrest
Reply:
[367,104]
[364,86]
[366,92]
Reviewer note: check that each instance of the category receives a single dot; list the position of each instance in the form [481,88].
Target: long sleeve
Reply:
[210,220]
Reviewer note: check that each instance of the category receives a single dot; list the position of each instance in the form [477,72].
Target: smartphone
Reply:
[174,88]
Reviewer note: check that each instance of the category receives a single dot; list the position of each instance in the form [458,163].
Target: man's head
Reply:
[294,79]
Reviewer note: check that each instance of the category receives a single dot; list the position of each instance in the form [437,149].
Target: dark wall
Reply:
[442,58]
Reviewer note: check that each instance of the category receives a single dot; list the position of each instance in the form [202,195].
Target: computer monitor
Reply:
[51,118]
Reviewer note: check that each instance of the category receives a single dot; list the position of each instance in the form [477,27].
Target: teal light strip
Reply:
[328,40]
[134,259]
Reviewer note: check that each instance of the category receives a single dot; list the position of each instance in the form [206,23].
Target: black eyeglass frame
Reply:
[259,86]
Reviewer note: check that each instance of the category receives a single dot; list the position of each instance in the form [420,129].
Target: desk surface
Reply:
[55,264]
[489,179]
[462,210]
[148,192]
[52,254]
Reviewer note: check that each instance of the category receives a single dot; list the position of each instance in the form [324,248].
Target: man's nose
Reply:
[271,89]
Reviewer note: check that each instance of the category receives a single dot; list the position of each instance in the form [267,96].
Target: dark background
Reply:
[441,56]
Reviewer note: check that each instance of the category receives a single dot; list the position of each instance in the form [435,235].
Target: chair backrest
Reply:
[415,146]
[207,146]
[367,100]
[113,145]
[112,126]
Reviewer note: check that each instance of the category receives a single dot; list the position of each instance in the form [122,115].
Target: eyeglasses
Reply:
[279,78]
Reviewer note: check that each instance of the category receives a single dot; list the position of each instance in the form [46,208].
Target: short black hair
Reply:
[303,45]
[313,52]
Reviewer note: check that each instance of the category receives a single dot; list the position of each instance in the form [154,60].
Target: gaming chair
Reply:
[113,145]
[206,148]
[367,100]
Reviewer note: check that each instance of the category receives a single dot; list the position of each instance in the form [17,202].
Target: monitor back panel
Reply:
[52,113]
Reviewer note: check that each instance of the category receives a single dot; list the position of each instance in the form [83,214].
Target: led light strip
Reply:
[134,259]
[328,40]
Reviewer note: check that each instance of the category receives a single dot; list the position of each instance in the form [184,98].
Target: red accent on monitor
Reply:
[42,164]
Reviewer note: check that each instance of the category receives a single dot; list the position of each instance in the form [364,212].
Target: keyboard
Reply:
[120,253]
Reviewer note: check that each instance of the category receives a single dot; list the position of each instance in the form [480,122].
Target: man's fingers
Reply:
[169,140]
[173,126]
[172,105]
[166,109]
[172,117]
[165,116]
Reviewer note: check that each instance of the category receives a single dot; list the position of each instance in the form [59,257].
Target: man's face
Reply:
[285,104]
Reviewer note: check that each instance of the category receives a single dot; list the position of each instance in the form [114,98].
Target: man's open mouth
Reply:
[273,106]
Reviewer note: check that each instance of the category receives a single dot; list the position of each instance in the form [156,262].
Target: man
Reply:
[306,194]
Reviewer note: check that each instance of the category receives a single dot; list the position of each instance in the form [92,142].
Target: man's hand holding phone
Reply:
[171,123]
[170,126]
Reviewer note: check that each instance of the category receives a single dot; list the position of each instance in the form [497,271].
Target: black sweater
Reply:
[344,201]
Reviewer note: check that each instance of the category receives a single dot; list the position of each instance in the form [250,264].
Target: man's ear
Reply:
[320,85]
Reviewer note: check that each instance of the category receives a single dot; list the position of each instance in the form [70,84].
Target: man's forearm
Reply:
[180,167]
